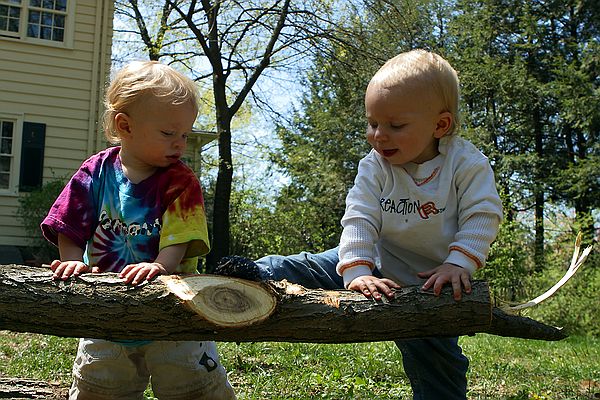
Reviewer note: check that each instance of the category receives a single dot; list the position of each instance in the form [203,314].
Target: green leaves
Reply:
[33,208]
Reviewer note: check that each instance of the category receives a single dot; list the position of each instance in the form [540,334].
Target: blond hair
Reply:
[138,80]
[423,70]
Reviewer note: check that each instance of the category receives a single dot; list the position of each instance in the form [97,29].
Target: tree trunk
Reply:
[540,200]
[221,229]
[15,388]
[210,307]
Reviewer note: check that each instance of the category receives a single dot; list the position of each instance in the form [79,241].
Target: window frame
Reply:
[26,8]
[15,167]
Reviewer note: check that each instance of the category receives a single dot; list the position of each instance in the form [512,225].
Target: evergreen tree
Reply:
[517,106]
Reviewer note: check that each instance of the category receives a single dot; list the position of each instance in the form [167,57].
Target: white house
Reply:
[54,64]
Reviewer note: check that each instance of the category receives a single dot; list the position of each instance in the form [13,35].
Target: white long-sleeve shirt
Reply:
[405,219]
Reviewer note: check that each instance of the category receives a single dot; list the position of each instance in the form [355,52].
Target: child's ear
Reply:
[443,124]
[122,124]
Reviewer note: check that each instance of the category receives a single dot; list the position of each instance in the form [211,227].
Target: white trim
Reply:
[21,36]
[15,168]
[69,38]
[96,57]
[105,58]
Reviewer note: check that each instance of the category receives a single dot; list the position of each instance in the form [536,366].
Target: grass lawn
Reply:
[501,368]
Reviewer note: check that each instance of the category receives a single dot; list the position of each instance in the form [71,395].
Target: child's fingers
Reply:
[457,288]
[140,276]
[128,273]
[438,285]
[65,270]
[127,270]
[136,273]
[133,273]
[55,264]
[379,287]
[364,286]
[152,273]
[79,269]
[58,269]
[376,288]
[466,282]
[429,283]
[136,276]
[373,287]
[368,289]
[385,286]
[147,272]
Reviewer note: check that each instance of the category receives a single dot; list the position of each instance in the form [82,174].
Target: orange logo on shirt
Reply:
[427,209]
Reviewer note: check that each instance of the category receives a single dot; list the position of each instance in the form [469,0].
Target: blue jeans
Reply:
[436,366]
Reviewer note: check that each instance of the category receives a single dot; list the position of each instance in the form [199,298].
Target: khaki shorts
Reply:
[177,370]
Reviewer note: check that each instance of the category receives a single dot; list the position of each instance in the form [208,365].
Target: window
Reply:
[34,19]
[22,146]
[11,126]
[32,156]
[7,134]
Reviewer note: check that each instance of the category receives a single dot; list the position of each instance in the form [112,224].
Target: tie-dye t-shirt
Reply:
[120,223]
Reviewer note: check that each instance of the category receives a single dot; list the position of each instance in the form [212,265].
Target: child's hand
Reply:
[65,269]
[136,273]
[445,273]
[372,286]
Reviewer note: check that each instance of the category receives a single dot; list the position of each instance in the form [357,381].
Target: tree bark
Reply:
[16,388]
[210,307]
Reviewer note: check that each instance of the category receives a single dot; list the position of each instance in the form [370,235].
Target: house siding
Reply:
[61,88]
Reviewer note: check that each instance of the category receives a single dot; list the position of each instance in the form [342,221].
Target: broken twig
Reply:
[576,262]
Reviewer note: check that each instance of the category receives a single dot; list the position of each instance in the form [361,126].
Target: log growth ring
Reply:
[226,302]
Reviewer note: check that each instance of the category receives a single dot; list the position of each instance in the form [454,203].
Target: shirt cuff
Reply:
[462,260]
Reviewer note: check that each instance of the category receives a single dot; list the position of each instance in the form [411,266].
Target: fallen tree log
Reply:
[210,307]
[16,389]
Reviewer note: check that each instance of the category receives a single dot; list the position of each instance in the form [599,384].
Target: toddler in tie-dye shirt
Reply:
[136,209]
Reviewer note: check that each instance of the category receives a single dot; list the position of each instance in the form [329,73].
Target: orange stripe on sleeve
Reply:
[355,264]
[466,253]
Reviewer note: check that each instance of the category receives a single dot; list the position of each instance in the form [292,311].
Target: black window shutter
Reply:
[32,156]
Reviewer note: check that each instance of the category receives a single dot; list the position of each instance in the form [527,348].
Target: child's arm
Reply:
[71,259]
[362,224]
[467,254]
[479,221]
[165,264]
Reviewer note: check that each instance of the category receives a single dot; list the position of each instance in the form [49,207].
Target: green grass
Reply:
[501,368]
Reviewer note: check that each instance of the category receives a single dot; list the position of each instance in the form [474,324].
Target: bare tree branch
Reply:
[265,60]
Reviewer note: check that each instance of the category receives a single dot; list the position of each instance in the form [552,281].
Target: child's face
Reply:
[404,124]
[154,134]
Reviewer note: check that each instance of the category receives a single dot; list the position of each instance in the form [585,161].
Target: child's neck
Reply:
[134,170]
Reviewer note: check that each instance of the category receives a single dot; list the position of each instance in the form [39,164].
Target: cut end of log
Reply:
[223,301]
